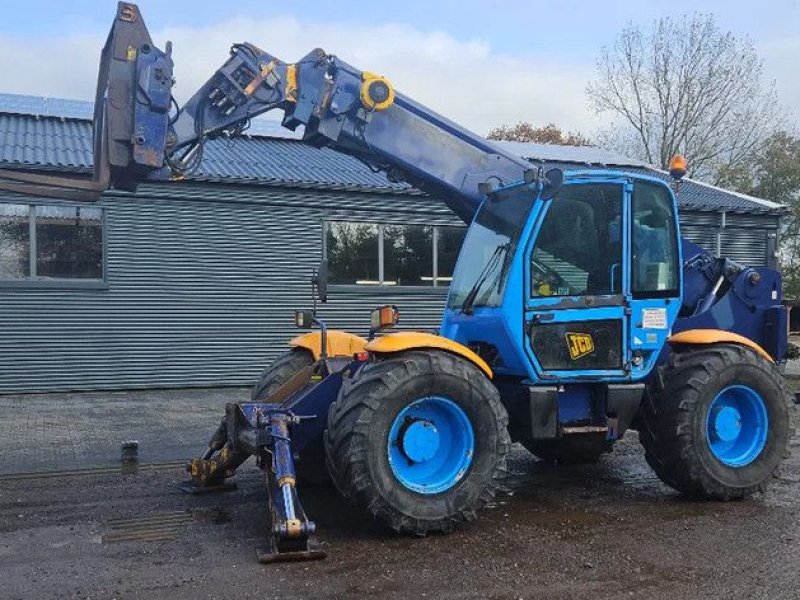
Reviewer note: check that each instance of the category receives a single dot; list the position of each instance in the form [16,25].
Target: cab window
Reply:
[654,257]
[578,250]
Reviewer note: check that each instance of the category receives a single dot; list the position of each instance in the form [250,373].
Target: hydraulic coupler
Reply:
[292,532]
[264,431]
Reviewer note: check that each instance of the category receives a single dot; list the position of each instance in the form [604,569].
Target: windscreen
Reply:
[488,248]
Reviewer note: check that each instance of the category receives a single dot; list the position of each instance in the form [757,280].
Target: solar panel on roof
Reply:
[46,107]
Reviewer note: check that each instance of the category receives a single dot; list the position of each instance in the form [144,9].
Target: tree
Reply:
[684,86]
[777,178]
[549,134]
[774,174]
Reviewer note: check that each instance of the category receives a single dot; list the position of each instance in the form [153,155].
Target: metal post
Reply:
[32,240]
[435,257]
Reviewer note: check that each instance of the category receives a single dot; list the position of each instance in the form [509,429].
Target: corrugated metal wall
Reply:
[201,288]
[202,281]
[743,239]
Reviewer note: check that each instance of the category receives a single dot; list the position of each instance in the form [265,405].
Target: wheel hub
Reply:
[430,445]
[420,441]
[727,424]
[737,426]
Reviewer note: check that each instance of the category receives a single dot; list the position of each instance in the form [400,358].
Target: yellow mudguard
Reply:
[340,343]
[717,336]
[411,340]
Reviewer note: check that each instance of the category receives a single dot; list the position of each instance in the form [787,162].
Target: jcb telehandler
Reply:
[576,310]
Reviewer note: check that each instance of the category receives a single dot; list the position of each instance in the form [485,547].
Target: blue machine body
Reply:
[711,293]
[504,326]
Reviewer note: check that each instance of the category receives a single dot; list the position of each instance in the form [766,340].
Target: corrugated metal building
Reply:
[193,283]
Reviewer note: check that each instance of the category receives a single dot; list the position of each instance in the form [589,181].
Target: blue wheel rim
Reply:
[431,445]
[737,425]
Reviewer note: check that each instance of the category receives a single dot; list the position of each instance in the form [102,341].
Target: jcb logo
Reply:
[579,344]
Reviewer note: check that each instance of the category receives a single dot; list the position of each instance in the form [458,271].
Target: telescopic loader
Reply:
[576,310]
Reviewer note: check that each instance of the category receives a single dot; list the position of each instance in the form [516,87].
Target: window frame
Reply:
[535,242]
[33,281]
[436,285]
[674,245]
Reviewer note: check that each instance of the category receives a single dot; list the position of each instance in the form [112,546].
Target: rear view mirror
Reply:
[553,180]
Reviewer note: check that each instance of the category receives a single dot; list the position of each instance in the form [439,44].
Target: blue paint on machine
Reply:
[737,425]
[430,445]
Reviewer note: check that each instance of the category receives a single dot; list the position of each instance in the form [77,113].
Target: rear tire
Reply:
[715,424]
[574,449]
[383,440]
[310,467]
[279,372]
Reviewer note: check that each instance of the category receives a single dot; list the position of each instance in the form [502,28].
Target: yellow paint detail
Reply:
[340,343]
[410,340]
[290,92]
[286,481]
[131,54]
[367,79]
[259,79]
[579,345]
[293,528]
[717,336]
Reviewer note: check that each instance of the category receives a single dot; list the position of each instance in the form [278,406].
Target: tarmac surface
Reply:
[46,432]
[609,530]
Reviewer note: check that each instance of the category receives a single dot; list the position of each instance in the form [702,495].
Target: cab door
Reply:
[654,284]
[577,318]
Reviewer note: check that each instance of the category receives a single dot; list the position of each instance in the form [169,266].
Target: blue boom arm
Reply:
[139,137]
[353,111]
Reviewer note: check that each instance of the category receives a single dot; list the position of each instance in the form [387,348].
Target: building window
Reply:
[352,250]
[407,255]
[391,254]
[15,241]
[448,245]
[51,243]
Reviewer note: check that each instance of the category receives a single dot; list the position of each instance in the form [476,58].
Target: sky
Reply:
[481,63]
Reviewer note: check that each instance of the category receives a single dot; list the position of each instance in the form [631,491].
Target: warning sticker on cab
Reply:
[654,318]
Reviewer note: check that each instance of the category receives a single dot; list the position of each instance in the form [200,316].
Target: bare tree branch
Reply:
[684,86]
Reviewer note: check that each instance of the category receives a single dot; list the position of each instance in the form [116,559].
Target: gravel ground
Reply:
[606,531]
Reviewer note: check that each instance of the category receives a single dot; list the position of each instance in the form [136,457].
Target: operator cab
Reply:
[585,284]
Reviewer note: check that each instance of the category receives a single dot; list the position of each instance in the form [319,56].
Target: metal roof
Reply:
[572,154]
[56,134]
[693,194]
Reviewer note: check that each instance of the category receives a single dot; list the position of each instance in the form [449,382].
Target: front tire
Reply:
[419,440]
[715,424]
